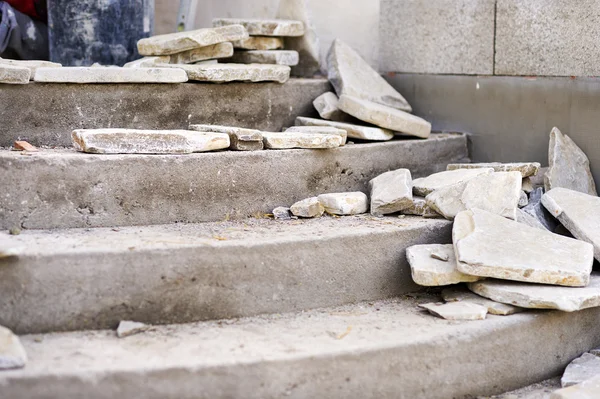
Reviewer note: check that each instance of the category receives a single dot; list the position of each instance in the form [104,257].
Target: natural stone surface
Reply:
[457,310]
[319,130]
[276,57]
[429,184]
[391,192]
[350,75]
[327,107]
[353,131]
[12,353]
[523,199]
[12,74]
[536,210]
[569,166]
[221,73]
[529,220]
[308,208]
[431,272]
[264,27]
[344,203]
[259,43]
[463,295]
[110,75]
[581,369]
[240,139]
[174,43]
[131,141]
[282,213]
[148,62]
[420,207]
[527,169]
[527,185]
[589,389]
[578,212]
[32,65]
[129,328]
[219,50]
[488,245]
[281,141]
[385,117]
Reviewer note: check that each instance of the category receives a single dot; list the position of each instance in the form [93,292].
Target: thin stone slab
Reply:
[589,389]
[148,62]
[11,74]
[129,328]
[33,65]
[488,245]
[259,43]
[391,192]
[527,169]
[569,166]
[319,130]
[240,139]
[353,131]
[581,369]
[275,57]
[429,271]
[308,208]
[264,27]
[222,73]
[344,204]
[131,141]
[353,76]
[420,207]
[215,51]
[12,353]
[458,311]
[426,185]
[536,210]
[174,43]
[464,295]
[282,141]
[110,75]
[385,117]
[578,212]
[327,107]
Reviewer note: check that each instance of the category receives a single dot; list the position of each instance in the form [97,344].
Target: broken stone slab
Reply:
[526,169]
[221,73]
[319,130]
[589,389]
[132,141]
[569,166]
[276,57]
[529,220]
[420,207]
[308,208]
[12,353]
[489,245]
[391,192]
[264,27]
[148,62]
[428,271]
[536,210]
[283,141]
[581,369]
[259,43]
[33,65]
[344,204]
[110,75]
[353,131]
[215,51]
[327,107]
[174,43]
[11,74]
[524,198]
[282,213]
[240,139]
[426,185]
[128,328]
[577,212]
[385,117]
[464,295]
[459,311]
[351,75]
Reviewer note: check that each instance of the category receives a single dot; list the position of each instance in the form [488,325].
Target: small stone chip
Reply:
[308,208]
[25,146]
[128,328]
[282,213]
[457,310]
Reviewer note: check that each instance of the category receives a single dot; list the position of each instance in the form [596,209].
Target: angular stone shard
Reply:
[527,169]
[344,203]
[431,272]
[352,76]
[420,207]
[538,296]
[131,141]
[436,181]
[221,73]
[459,311]
[569,166]
[21,145]
[589,389]
[12,353]
[581,369]
[536,210]
[264,27]
[259,43]
[282,213]
[391,192]
[319,130]
[240,139]
[354,131]
[128,328]
[110,75]
[578,212]
[12,74]
[282,141]
[488,245]
[174,43]
[219,50]
[33,65]
[308,208]
[385,117]
[148,62]
[275,57]
[464,295]
[529,220]
[327,107]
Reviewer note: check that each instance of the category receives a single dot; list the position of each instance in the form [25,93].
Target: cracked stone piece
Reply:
[110,75]
[456,310]
[589,389]
[578,212]
[148,62]
[527,185]
[463,295]
[276,57]
[319,130]
[351,75]
[174,43]
[128,328]
[221,73]
[569,166]
[13,74]
[327,107]
[419,207]
[536,210]
[132,141]
[344,203]
[259,43]
[240,139]
[426,185]
[219,50]
[498,193]
[308,208]
[523,199]
[33,65]
[354,131]
[581,369]
[282,213]
[385,117]
[488,245]
[428,271]
[264,27]
[529,220]
[12,353]
[527,169]
[282,141]
[391,192]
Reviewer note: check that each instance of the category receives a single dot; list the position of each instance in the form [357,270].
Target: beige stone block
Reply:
[276,57]
[419,207]
[526,169]
[11,74]
[241,139]
[308,208]
[391,192]
[282,141]
[264,27]
[222,73]
[344,204]
[259,43]
[215,51]
[33,65]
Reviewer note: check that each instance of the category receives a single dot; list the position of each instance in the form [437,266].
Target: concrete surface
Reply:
[90,190]
[387,349]
[441,36]
[93,278]
[540,390]
[46,114]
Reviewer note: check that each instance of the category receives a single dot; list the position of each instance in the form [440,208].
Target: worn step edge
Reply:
[65,189]
[93,278]
[386,349]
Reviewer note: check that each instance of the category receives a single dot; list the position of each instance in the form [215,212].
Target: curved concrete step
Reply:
[93,278]
[65,189]
[386,349]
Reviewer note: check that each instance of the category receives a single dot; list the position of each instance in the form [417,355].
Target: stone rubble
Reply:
[11,74]
[222,73]
[464,295]
[259,43]
[391,192]
[240,139]
[319,130]
[12,353]
[215,51]
[308,208]
[589,389]
[458,311]
[263,27]
[284,141]
[344,204]
[129,328]
[276,57]
[526,169]
[353,131]
[581,369]
[282,213]
[33,65]
[428,271]
[327,107]
[427,185]
[110,75]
